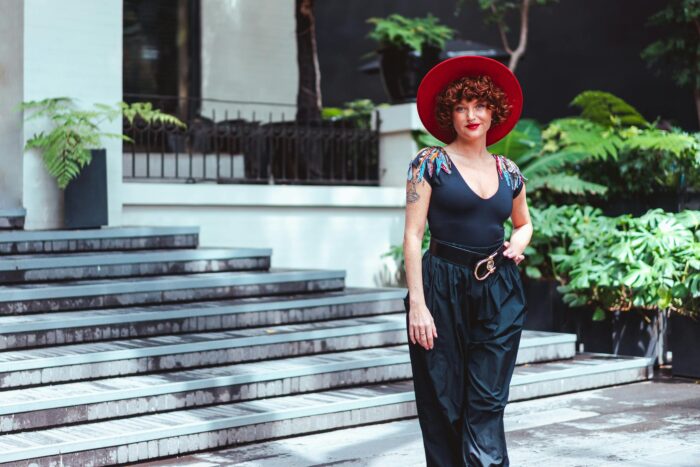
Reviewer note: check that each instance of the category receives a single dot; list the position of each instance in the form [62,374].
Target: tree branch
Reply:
[522,44]
[501,30]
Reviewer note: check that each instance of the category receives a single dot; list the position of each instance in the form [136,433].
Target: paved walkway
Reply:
[653,423]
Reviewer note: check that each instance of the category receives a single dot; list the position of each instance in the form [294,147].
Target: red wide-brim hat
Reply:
[454,68]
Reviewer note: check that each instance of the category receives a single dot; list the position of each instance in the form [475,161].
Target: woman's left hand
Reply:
[510,252]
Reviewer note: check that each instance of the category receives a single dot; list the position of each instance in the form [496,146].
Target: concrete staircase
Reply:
[126,344]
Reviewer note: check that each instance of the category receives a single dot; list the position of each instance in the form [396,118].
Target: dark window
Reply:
[162,49]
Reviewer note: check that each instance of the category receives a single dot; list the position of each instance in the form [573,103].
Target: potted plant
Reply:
[684,324]
[408,49]
[630,273]
[73,154]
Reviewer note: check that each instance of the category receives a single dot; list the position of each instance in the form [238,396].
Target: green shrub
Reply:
[622,263]
[399,31]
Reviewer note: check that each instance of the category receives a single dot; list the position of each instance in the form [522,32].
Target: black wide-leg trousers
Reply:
[461,384]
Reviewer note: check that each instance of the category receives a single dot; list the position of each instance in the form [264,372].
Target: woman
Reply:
[465,303]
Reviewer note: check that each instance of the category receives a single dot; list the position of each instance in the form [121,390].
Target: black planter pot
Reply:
[621,333]
[685,345]
[634,335]
[591,336]
[546,309]
[85,197]
[402,70]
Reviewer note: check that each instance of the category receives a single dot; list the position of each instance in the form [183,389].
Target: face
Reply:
[471,119]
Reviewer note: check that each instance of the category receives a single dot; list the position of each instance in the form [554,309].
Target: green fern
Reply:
[576,134]
[557,162]
[65,149]
[676,144]
[145,111]
[607,110]
[565,183]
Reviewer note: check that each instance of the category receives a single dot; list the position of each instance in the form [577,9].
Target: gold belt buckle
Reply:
[490,266]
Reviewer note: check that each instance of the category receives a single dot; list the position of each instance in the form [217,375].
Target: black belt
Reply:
[482,264]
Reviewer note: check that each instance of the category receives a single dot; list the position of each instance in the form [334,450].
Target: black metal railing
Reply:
[236,149]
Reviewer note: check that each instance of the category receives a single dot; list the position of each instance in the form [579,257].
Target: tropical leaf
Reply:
[522,143]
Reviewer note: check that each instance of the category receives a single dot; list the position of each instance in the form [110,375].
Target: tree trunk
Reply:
[696,94]
[309,93]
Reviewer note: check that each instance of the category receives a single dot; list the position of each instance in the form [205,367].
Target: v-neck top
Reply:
[456,213]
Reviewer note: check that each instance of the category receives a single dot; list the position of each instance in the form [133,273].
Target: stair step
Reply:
[164,434]
[107,238]
[55,328]
[100,293]
[543,346]
[42,406]
[586,370]
[137,356]
[89,265]
[150,436]
[163,353]
[12,218]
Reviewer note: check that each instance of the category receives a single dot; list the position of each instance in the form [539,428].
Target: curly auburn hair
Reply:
[471,87]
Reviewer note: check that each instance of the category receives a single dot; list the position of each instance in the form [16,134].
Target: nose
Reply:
[470,114]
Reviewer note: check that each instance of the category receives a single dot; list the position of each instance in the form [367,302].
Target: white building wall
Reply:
[307,227]
[71,48]
[249,54]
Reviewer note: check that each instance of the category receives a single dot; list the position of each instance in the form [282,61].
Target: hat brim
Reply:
[454,68]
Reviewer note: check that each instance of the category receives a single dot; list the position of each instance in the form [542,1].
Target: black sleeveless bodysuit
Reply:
[456,213]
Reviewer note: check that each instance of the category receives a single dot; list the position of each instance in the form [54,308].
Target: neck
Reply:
[471,150]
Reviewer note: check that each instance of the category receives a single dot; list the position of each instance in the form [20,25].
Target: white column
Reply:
[71,48]
[396,145]
[11,91]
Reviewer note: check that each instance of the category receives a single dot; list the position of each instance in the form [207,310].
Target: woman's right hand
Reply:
[421,326]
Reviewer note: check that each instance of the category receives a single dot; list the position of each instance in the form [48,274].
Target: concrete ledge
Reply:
[106,232]
[12,218]
[203,194]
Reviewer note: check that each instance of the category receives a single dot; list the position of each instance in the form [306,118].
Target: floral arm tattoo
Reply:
[412,195]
